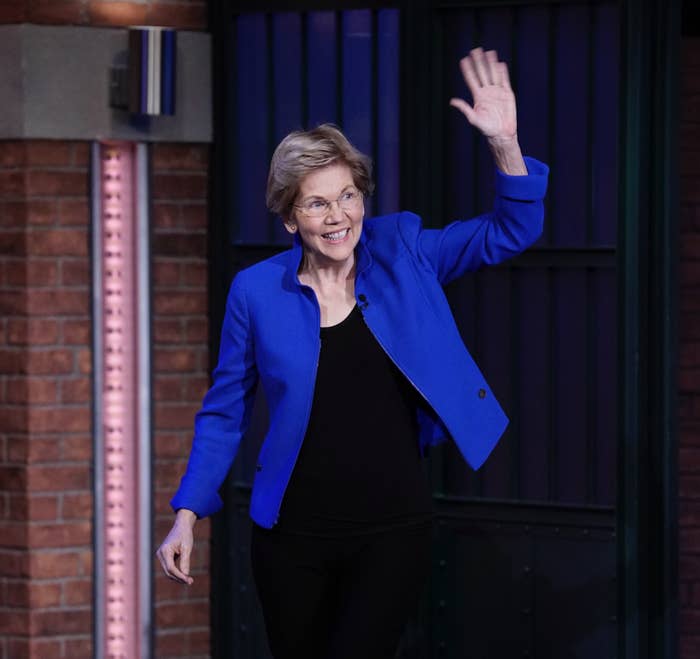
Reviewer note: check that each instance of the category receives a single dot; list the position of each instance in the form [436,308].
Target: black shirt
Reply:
[359,468]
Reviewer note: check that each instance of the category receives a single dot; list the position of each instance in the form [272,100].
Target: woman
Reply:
[363,369]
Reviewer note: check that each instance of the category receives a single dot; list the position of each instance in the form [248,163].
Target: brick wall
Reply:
[689,323]
[45,413]
[45,387]
[183,14]
[181,366]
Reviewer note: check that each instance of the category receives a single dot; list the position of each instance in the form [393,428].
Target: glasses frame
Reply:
[329,203]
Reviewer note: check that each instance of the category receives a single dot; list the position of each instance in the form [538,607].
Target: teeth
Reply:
[335,236]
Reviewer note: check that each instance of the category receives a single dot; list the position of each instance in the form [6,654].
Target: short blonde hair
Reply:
[304,151]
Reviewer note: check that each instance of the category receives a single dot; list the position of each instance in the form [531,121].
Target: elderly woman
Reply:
[363,369]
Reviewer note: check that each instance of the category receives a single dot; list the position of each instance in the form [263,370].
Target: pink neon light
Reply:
[121,605]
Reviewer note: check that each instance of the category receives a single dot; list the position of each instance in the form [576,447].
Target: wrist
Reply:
[185,516]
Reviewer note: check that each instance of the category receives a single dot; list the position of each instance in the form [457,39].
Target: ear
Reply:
[290,225]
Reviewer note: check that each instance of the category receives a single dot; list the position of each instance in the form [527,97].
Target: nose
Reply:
[335,212]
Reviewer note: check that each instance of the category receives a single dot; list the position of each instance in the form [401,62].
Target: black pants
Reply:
[339,598]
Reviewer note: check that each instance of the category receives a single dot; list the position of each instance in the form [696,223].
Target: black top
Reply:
[359,468]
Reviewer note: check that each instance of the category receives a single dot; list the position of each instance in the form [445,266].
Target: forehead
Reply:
[328,181]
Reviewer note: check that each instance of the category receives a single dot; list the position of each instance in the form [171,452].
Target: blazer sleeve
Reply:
[513,225]
[225,413]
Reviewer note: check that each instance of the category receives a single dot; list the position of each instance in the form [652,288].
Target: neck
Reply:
[327,273]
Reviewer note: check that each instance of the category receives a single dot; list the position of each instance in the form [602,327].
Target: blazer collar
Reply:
[362,255]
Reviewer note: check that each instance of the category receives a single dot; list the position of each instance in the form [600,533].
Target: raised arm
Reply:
[494,111]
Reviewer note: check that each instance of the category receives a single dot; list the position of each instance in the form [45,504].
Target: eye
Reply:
[316,204]
[348,196]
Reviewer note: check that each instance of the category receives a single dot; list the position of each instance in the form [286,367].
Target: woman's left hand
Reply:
[493,112]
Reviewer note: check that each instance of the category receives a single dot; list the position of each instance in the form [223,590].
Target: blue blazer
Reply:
[271,332]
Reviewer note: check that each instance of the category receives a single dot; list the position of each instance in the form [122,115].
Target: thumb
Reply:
[465,109]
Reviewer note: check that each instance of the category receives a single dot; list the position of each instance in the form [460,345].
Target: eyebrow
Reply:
[316,196]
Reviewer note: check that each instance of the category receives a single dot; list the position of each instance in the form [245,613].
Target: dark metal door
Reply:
[525,551]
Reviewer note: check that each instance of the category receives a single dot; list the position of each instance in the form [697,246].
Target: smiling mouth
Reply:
[336,236]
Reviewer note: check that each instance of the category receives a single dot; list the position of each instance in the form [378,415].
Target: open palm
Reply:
[493,112]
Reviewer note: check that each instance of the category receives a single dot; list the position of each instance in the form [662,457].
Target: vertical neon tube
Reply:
[122,402]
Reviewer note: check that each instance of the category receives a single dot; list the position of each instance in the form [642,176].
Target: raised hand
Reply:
[493,111]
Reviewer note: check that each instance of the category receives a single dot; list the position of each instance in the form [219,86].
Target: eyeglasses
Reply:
[319,207]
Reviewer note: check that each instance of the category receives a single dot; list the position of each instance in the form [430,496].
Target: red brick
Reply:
[43,508]
[169,416]
[77,506]
[13,479]
[65,12]
[196,387]
[41,212]
[172,644]
[33,273]
[58,478]
[166,273]
[12,243]
[200,642]
[77,390]
[15,12]
[13,534]
[689,380]
[179,186]
[24,331]
[74,212]
[13,563]
[33,449]
[13,213]
[13,153]
[14,419]
[81,154]
[77,447]
[167,476]
[63,534]
[169,445]
[197,331]
[31,390]
[77,332]
[689,486]
[194,216]
[181,614]
[167,330]
[57,302]
[117,13]
[56,183]
[179,157]
[184,17]
[689,460]
[57,242]
[14,623]
[84,361]
[176,303]
[174,360]
[195,274]
[50,362]
[689,647]
[75,272]
[64,621]
[181,245]
[168,388]
[12,184]
[56,564]
[42,595]
[17,507]
[79,648]
[48,152]
[77,592]
[166,215]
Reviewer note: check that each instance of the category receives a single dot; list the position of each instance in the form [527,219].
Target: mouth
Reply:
[336,236]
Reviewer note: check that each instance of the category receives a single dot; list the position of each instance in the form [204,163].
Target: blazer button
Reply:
[482,393]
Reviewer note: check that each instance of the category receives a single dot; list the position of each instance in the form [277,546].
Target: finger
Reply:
[492,65]
[477,56]
[185,553]
[464,108]
[171,569]
[505,76]
[469,74]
